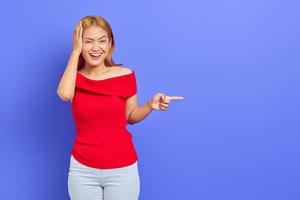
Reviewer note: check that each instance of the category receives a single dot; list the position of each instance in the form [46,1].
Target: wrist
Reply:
[149,103]
[76,53]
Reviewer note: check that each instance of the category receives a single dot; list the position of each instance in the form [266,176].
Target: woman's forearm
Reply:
[140,113]
[66,86]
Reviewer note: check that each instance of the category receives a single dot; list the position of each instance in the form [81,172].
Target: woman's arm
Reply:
[159,101]
[66,85]
[135,113]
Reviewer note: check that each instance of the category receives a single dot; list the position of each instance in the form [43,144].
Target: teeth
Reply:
[95,54]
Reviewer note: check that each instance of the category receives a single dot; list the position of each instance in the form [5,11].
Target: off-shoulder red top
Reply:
[98,108]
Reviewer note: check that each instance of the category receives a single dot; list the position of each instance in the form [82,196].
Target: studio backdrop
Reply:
[234,136]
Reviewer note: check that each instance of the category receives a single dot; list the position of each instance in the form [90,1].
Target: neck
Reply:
[95,70]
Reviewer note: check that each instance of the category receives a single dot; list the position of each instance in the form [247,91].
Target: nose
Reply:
[96,47]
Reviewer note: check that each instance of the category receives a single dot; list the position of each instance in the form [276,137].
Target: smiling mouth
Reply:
[95,55]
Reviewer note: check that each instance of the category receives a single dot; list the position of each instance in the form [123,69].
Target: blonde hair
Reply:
[89,21]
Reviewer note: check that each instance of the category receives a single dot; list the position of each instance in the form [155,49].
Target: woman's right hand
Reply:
[77,38]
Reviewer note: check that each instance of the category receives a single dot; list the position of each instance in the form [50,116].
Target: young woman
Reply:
[103,161]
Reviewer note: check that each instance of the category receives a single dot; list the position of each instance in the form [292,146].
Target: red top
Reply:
[98,106]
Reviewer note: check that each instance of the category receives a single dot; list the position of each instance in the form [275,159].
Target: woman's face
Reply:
[95,46]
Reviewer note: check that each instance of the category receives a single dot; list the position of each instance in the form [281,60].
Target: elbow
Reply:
[64,97]
[129,120]
[130,123]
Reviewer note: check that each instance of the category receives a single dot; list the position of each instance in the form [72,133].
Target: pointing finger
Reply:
[174,97]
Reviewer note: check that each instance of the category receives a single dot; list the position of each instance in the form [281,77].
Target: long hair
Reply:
[89,21]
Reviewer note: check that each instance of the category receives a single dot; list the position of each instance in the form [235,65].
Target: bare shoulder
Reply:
[121,70]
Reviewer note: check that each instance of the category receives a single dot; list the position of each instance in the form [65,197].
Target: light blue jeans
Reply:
[86,183]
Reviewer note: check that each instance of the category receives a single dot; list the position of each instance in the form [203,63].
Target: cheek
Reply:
[104,46]
[86,50]
[86,47]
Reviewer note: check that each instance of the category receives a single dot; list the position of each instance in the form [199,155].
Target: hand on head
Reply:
[77,38]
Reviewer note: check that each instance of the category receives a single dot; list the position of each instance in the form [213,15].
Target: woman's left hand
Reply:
[160,101]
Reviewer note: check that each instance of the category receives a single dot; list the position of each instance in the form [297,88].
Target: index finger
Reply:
[174,97]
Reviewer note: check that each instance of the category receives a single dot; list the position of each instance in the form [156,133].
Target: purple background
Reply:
[235,136]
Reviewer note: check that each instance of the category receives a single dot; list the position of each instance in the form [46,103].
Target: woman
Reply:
[103,162]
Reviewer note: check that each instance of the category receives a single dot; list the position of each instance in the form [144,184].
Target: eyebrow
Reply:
[93,39]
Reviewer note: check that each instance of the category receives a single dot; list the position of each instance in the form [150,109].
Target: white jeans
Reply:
[86,183]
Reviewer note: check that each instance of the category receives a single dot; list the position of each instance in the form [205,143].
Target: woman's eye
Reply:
[100,41]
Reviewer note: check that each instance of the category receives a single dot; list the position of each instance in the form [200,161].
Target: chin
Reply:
[95,63]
